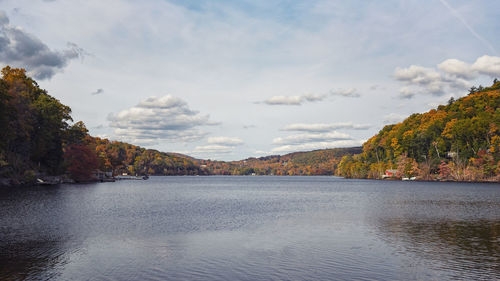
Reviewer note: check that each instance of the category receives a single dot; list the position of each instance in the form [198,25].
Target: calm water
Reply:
[251,228]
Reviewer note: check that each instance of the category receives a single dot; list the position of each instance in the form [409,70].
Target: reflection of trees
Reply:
[460,247]
[30,259]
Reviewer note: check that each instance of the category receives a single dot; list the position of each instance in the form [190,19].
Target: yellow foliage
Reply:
[448,129]
[495,144]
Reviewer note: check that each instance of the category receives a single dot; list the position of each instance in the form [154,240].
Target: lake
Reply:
[251,228]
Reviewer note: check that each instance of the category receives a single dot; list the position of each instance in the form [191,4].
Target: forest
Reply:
[313,163]
[38,140]
[459,141]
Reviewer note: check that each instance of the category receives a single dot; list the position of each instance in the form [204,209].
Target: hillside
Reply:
[318,162]
[37,141]
[458,141]
[120,157]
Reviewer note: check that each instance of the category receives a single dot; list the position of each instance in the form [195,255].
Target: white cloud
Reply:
[225,141]
[313,97]
[484,65]
[487,65]
[311,137]
[351,93]
[317,145]
[284,100]
[156,119]
[457,68]
[294,100]
[316,136]
[456,75]
[429,80]
[213,149]
[393,118]
[322,127]
[163,102]
[422,76]
[218,145]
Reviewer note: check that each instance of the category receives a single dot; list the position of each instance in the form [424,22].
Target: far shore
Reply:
[58,180]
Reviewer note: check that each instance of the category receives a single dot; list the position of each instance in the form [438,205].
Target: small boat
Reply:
[42,182]
[48,181]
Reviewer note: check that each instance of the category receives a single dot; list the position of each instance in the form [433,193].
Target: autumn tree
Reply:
[81,162]
[32,124]
[407,166]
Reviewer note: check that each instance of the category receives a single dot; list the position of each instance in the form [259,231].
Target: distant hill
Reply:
[458,141]
[120,157]
[318,162]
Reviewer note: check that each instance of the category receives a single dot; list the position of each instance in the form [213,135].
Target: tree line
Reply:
[459,141]
[312,163]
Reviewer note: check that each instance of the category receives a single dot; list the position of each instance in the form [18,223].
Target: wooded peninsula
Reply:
[459,141]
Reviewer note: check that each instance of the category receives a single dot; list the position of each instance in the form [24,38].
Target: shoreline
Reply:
[8,183]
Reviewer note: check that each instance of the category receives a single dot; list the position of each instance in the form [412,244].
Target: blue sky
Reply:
[234,79]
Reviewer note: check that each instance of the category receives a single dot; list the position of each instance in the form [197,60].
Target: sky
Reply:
[228,80]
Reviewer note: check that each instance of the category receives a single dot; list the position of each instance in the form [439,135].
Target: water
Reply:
[251,228]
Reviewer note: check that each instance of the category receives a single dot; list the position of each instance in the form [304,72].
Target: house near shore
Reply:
[102,176]
[390,173]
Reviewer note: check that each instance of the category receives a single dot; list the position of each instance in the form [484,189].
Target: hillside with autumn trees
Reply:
[312,163]
[459,141]
[39,141]
[120,157]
